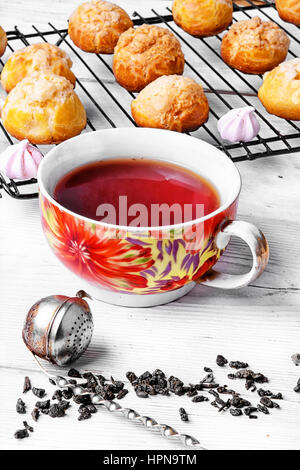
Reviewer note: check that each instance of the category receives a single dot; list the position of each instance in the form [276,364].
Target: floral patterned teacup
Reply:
[140,266]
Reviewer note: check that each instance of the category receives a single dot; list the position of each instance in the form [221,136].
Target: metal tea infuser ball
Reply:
[59,329]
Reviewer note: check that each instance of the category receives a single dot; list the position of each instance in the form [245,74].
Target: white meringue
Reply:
[239,125]
[20,161]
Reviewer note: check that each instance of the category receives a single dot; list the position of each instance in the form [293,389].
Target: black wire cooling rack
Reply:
[108,105]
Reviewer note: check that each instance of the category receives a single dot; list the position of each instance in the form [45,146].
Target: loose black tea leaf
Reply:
[67,393]
[122,394]
[141,394]
[250,385]
[21,433]
[150,384]
[101,379]
[263,409]
[192,392]
[221,361]
[297,387]
[164,392]
[74,373]
[249,410]
[239,402]
[131,376]
[85,415]
[145,376]
[27,426]
[260,378]
[82,399]
[238,365]
[183,414]
[20,406]
[296,359]
[35,414]
[27,385]
[55,411]
[179,391]
[57,395]
[249,375]
[38,392]
[231,376]
[43,405]
[63,404]
[264,393]
[267,402]
[224,389]
[174,383]
[208,379]
[208,386]
[277,396]
[236,412]
[199,399]
[87,409]
[117,386]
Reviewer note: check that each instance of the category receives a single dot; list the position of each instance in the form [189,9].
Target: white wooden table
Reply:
[259,324]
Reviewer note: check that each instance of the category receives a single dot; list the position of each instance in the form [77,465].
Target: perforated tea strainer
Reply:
[59,329]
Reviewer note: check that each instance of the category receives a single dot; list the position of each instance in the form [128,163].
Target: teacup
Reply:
[146,266]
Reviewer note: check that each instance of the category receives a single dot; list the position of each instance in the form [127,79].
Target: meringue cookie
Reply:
[20,161]
[239,125]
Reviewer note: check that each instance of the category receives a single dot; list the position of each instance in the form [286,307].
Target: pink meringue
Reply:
[20,161]
[239,125]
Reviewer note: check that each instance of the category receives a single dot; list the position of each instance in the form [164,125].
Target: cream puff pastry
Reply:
[3,41]
[42,57]
[97,25]
[280,91]
[289,10]
[171,102]
[254,46]
[44,109]
[144,54]
[202,17]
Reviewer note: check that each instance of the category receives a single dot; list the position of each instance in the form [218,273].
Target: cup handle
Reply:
[258,245]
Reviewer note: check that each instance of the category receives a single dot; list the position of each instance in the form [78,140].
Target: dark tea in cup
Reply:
[136,192]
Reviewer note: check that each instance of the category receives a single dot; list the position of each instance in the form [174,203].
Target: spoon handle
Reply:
[150,423]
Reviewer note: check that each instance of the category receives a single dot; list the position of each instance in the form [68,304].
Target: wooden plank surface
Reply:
[259,323]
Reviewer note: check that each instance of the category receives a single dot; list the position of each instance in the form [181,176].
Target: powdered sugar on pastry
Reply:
[144,54]
[291,68]
[97,25]
[280,91]
[254,46]
[40,88]
[44,109]
[171,102]
[258,33]
[38,57]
